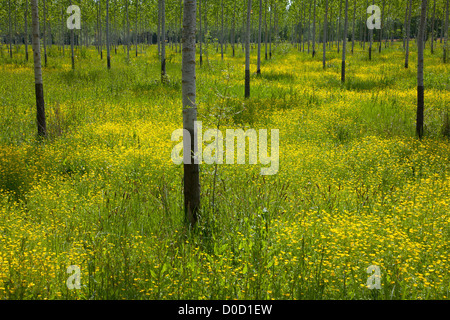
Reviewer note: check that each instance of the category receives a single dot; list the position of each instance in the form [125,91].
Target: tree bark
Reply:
[247,51]
[314,31]
[339,25]
[39,87]
[265,29]
[353,25]
[258,71]
[420,87]
[344,43]
[26,30]
[221,36]
[191,169]
[9,29]
[45,34]
[432,27]
[108,55]
[136,28]
[128,30]
[408,27]
[446,34]
[325,34]
[71,45]
[200,33]
[382,27]
[163,40]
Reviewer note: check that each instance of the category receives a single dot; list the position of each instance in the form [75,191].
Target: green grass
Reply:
[355,187]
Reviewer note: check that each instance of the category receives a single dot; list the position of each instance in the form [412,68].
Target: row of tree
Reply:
[138,22]
[311,19]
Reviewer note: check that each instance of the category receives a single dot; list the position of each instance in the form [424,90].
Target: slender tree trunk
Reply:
[353,25]
[247,51]
[432,27]
[258,71]
[128,30]
[221,35]
[108,55]
[71,45]
[339,25]
[408,27]
[265,30]
[9,29]
[158,36]
[420,87]
[26,30]
[325,34]
[309,24]
[382,27]
[191,169]
[270,31]
[136,28]
[206,30]
[371,38]
[100,30]
[314,31]
[39,86]
[344,43]
[163,40]
[45,34]
[200,35]
[233,30]
[62,30]
[446,34]
[405,26]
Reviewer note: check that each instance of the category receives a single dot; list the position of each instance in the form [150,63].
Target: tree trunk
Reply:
[128,30]
[339,25]
[9,29]
[136,28]
[39,87]
[420,87]
[314,31]
[258,71]
[163,40]
[344,43]
[100,30]
[309,24]
[72,44]
[405,26]
[206,30]
[221,35]
[382,27]
[26,30]
[353,25]
[446,34]
[158,36]
[108,55]
[247,51]
[265,29]
[45,35]
[408,27]
[62,30]
[325,34]
[270,31]
[371,38]
[191,169]
[200,35]
[432,27]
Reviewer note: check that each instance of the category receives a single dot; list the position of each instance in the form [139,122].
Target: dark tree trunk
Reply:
[39,87]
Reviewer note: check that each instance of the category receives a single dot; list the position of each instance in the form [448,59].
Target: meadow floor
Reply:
[355,188]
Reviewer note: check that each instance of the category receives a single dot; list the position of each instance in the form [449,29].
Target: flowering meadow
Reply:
[355,187]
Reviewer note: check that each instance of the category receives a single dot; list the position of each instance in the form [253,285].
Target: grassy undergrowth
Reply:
[355,187]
